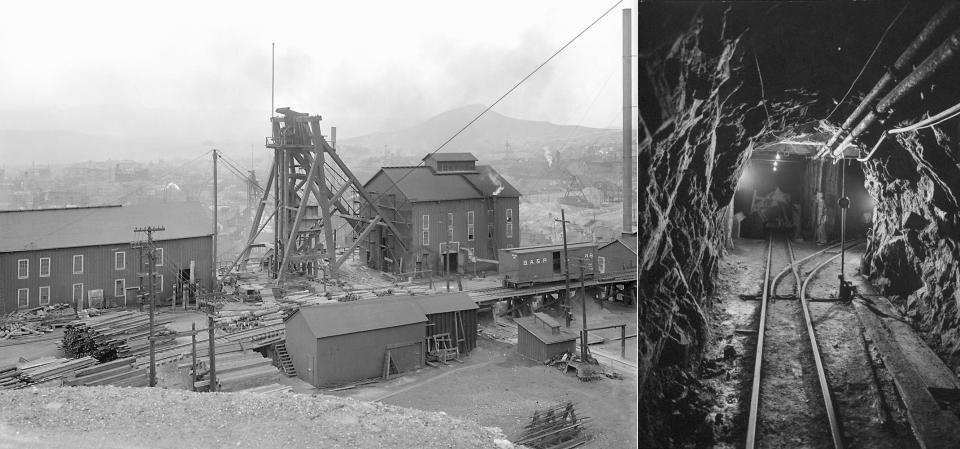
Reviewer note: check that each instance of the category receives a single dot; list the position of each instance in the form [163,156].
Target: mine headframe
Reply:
[310,185]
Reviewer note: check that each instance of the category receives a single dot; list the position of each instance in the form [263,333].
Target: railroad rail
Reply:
[494,294]
[800,289]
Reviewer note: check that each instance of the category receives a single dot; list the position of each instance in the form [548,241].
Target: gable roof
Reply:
[38,229]
[328,320]
[542,332]
[630,242]
[451,157]
[445,303]
[421,184]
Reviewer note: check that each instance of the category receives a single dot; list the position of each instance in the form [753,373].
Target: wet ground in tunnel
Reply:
[791,412]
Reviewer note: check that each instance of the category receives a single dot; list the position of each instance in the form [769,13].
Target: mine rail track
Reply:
[768,291]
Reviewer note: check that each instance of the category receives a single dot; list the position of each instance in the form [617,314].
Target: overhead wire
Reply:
[508,92]
[867,63]
[929,122]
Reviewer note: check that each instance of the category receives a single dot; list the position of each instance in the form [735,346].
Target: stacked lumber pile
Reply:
[9,377]
[115,335]
[268,389]
[238,370]
[256,337]
[556,427]
[34,322]
[52,369]
[239,320]
[121,372]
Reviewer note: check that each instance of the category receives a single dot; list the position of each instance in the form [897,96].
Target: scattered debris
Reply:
[554,428]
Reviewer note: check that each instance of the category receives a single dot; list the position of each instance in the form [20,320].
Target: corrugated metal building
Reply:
[50,256]
[454,314]
[339,343]
[539,337]
[451,200]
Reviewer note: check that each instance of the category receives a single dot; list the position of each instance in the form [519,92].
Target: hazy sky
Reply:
[198,73]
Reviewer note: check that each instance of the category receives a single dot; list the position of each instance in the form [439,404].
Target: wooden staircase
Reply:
[286,365]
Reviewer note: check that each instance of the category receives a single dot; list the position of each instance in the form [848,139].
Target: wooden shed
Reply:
[540,337]
[453,313]
[345,342]
[619,255]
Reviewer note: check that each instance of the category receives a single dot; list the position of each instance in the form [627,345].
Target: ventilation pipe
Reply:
[942,54]
[933,25]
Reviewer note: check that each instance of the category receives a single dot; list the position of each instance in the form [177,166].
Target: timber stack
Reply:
[115,335]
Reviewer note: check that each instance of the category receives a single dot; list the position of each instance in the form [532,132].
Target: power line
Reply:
[865,64]
[508,92]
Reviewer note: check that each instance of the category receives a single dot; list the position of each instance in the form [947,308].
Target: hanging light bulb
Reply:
[778,156]
[774,168]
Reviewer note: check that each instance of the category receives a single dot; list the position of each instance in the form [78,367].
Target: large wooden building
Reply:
[452,215]
[338,343]
[83,256]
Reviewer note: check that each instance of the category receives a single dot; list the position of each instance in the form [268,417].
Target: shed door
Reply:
[556,262]
[406,356]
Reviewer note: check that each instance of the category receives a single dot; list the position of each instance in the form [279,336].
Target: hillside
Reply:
[485,137]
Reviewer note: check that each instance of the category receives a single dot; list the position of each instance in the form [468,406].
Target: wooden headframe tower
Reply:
[310,185]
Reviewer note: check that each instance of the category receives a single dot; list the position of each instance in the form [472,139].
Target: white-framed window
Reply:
[470,226]
[78,264]
[23,297]
[23,268]
[449,226]
[160,284]
[159,256]
[120,260]
[425,227]
[77,293]
[44,295]
[119,286]
[601,264]
[44,267]
[509,230]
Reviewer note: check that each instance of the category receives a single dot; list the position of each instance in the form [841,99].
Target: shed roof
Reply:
[420,184]
[450,157]
[37,229]
[543,333]
[433,304]
[630,242]
[328,320]
[541,248]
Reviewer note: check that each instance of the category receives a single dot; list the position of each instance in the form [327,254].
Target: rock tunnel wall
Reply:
[714,115]
[913,252]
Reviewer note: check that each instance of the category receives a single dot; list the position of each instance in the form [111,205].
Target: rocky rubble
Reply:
[108,417]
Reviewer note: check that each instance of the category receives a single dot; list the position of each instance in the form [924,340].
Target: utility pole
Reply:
[151,261]
[846,289]
[628,216]
[583,302]
[566,270]
[216,230]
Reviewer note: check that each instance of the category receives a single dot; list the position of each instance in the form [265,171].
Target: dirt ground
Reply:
[110,417]
[497,387]
[791,406]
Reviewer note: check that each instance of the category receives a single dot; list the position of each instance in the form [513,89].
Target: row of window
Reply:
[471,227]
[119,290]
[119,263]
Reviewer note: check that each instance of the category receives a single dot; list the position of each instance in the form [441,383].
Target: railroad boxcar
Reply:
[542,264]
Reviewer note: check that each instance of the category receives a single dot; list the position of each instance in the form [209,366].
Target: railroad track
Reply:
[800,291]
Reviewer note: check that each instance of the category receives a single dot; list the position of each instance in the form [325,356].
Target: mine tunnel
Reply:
[799,176]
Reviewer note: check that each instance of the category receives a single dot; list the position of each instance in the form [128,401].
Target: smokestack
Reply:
[627,128]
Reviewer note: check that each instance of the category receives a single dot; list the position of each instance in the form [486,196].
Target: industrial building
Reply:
[619,255]
[84,256]
[338,343]
[453,216]
[539,337]
[454,314]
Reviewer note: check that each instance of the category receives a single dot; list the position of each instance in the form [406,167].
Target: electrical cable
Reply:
[508,92]
[867,63]
[941,117]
